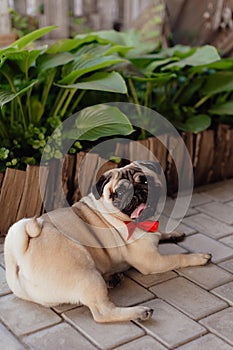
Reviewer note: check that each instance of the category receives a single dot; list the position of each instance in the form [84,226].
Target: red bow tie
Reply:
[149,226]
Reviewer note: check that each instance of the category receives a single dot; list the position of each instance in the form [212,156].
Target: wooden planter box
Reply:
[211,153]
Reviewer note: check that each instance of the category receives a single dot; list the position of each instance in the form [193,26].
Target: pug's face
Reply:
[134,189]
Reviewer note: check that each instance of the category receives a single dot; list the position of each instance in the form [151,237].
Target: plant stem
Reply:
[134,95]
[80,96]
[60,100]
[68,100]
[201,101]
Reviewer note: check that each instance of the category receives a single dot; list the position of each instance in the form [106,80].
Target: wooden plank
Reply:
[229,154]
[54,195]
[31,203]
[68,176]
[204,156]
[1,180]
[10,197]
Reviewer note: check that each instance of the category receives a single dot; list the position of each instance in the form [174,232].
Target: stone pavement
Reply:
[193,307]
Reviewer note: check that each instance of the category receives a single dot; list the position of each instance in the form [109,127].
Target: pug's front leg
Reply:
[157,263]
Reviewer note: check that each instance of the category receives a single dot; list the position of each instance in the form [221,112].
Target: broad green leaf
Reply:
[202,56]
[99,121]
[223,64]
[157,78]
[24,59]
[27,39]
[224,108]
[7,96]
[84,64]
[218,82]
[157,63]
[48,61]
[64,45]
[101,81]
[196,123]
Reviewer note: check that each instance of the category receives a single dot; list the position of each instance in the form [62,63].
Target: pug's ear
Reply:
[98,188]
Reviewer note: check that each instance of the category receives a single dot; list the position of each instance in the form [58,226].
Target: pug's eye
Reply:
[143,180]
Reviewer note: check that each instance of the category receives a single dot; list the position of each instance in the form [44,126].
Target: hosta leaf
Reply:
[195,124]
[7,96]
[99,121]
[52,61]
[27,39]
[24,59]
[218,82]
[101,81]
[224,108]
[84,65]
[202,56]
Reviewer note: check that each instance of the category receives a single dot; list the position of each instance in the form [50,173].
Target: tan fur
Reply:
[47,265]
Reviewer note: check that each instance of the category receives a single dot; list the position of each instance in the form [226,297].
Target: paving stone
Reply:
[209,226]
[144,343]
[2,262]
[208,276]
[8,341]
[4,289]
[170,326]
[186,229]
[65,307]
[23,317]
[221,193]
[169,205]
[206,342]
[59,337]
[227,265]
[171,248]
[221,324]
[199,243]
[129,293]
[189,298]
[217,210]
[150,280]
[230,203]
[225,292]
[105,336]
[228,241]
[199,199]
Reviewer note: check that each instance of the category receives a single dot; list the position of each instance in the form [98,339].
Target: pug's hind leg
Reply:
[95,296]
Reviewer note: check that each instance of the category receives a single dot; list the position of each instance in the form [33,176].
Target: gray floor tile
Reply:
[189,298]
[129,293]
[207,342]
[218,210]
[59,337]
[227,240]
[144,343]
[24,317]
[150,280]
[2,262]
[208,225]
[227,265]
[171,248]
[221,324]
[199,199]
[225,292]
[8,341]
[222,192]
[4,289]
[170,326]
[199,243]
[208,276]
[105,336]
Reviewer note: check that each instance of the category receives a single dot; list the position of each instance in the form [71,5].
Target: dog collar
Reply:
[149,226]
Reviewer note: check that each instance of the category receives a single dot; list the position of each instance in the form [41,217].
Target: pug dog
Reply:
[71,255]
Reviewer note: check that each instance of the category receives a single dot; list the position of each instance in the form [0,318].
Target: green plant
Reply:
[40,87]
